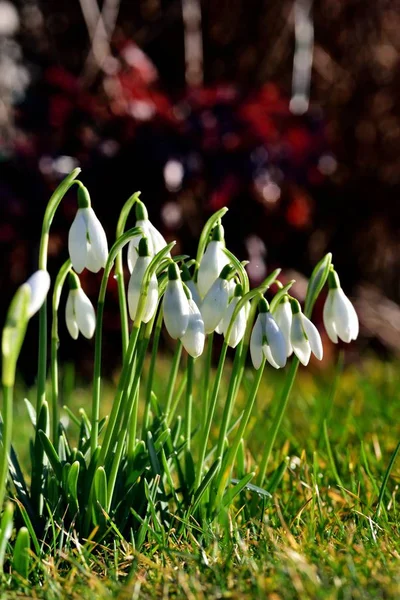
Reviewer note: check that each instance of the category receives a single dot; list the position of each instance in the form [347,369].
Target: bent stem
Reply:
[58,286]
[51,208]
[119,270]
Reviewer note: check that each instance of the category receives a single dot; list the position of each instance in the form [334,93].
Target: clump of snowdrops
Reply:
[129,476]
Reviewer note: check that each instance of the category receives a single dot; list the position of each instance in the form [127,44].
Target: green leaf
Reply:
[100,496]
[6,527]
[204,485]
[277,477]
[231,494]
[317,282]
[154,462]
[20,561]
[51,454]
[254,488]
[72,486]
[31,411]
[385,480]
[29,526]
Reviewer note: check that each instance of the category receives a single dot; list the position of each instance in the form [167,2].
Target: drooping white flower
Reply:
[194,336]
[79,311]
[39,285]
[304,336]
[283,317]
[267,340]
[216,301]
[87,242]
[135,285]
[213,261]
[239,324]
[188,281]
[175,304]
[155,240]
[339,315]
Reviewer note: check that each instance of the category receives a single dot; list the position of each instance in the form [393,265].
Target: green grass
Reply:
[319,536]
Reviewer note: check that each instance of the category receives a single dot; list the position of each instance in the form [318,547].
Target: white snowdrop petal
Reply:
[328,319]
[276,340]
[301,347]
[256,350]
[215,304]
[70,320]
[176,309]
[283,318]
[77,242]
[268,355]
[39,284]
[135,284]
[97,237]
[132,254]
[93,263]
[239,325]
[157,239]
[314,337]
[341,315]
[211,265]
[194,291]
[84,313]
[194,336]
[151,300]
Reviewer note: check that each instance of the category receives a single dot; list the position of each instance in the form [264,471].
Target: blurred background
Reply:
[287,112]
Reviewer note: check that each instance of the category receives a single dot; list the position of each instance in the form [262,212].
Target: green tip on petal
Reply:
[295,306]
[263,306]
[73,281]
[141,211]
[185,273]
[143,248]
[226,271]
[238,291]
[173,272]
[83,196]
[218,233]
[333,280]
[284,299]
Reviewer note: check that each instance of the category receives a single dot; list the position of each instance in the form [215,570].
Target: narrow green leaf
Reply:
[231,494]
[31,412]
[51,454]
[254,488]
[72,483]
[6,527]
[154,462]
[385,480]
[100,487]
[31,529]
[317,282]
[204,485]
[20,561]
[277,477]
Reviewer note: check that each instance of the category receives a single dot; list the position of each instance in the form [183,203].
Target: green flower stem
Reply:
[230,399]
[153,361]
[210,414]
[227,466]
[272,433]
[133,425]
[189,400]
[172,377]
[206,376]
[51,208]
[58,286]
[119,270]
[7,414]
[122,388]
[117,456]
[117,247]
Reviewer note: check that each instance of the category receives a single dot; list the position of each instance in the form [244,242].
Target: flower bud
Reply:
[79,311]
[239,325]
[135,285]
[194,337]
[339,315]
[216,301]
[156,241]
[175,304]
[212,262]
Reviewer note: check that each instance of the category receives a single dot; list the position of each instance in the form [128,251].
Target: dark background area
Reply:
[297,185]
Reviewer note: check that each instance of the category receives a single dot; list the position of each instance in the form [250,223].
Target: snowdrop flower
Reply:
[188,281]
[213,261]
[239,324]
[175,304]
[340,317]
[304,336]
[283,317]
[79,311]
[267,340]
[39,285]
[216,301]
[135,285]
[87,242]
[194,337]
[155,240]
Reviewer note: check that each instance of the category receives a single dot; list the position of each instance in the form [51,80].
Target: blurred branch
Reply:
[100,27]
